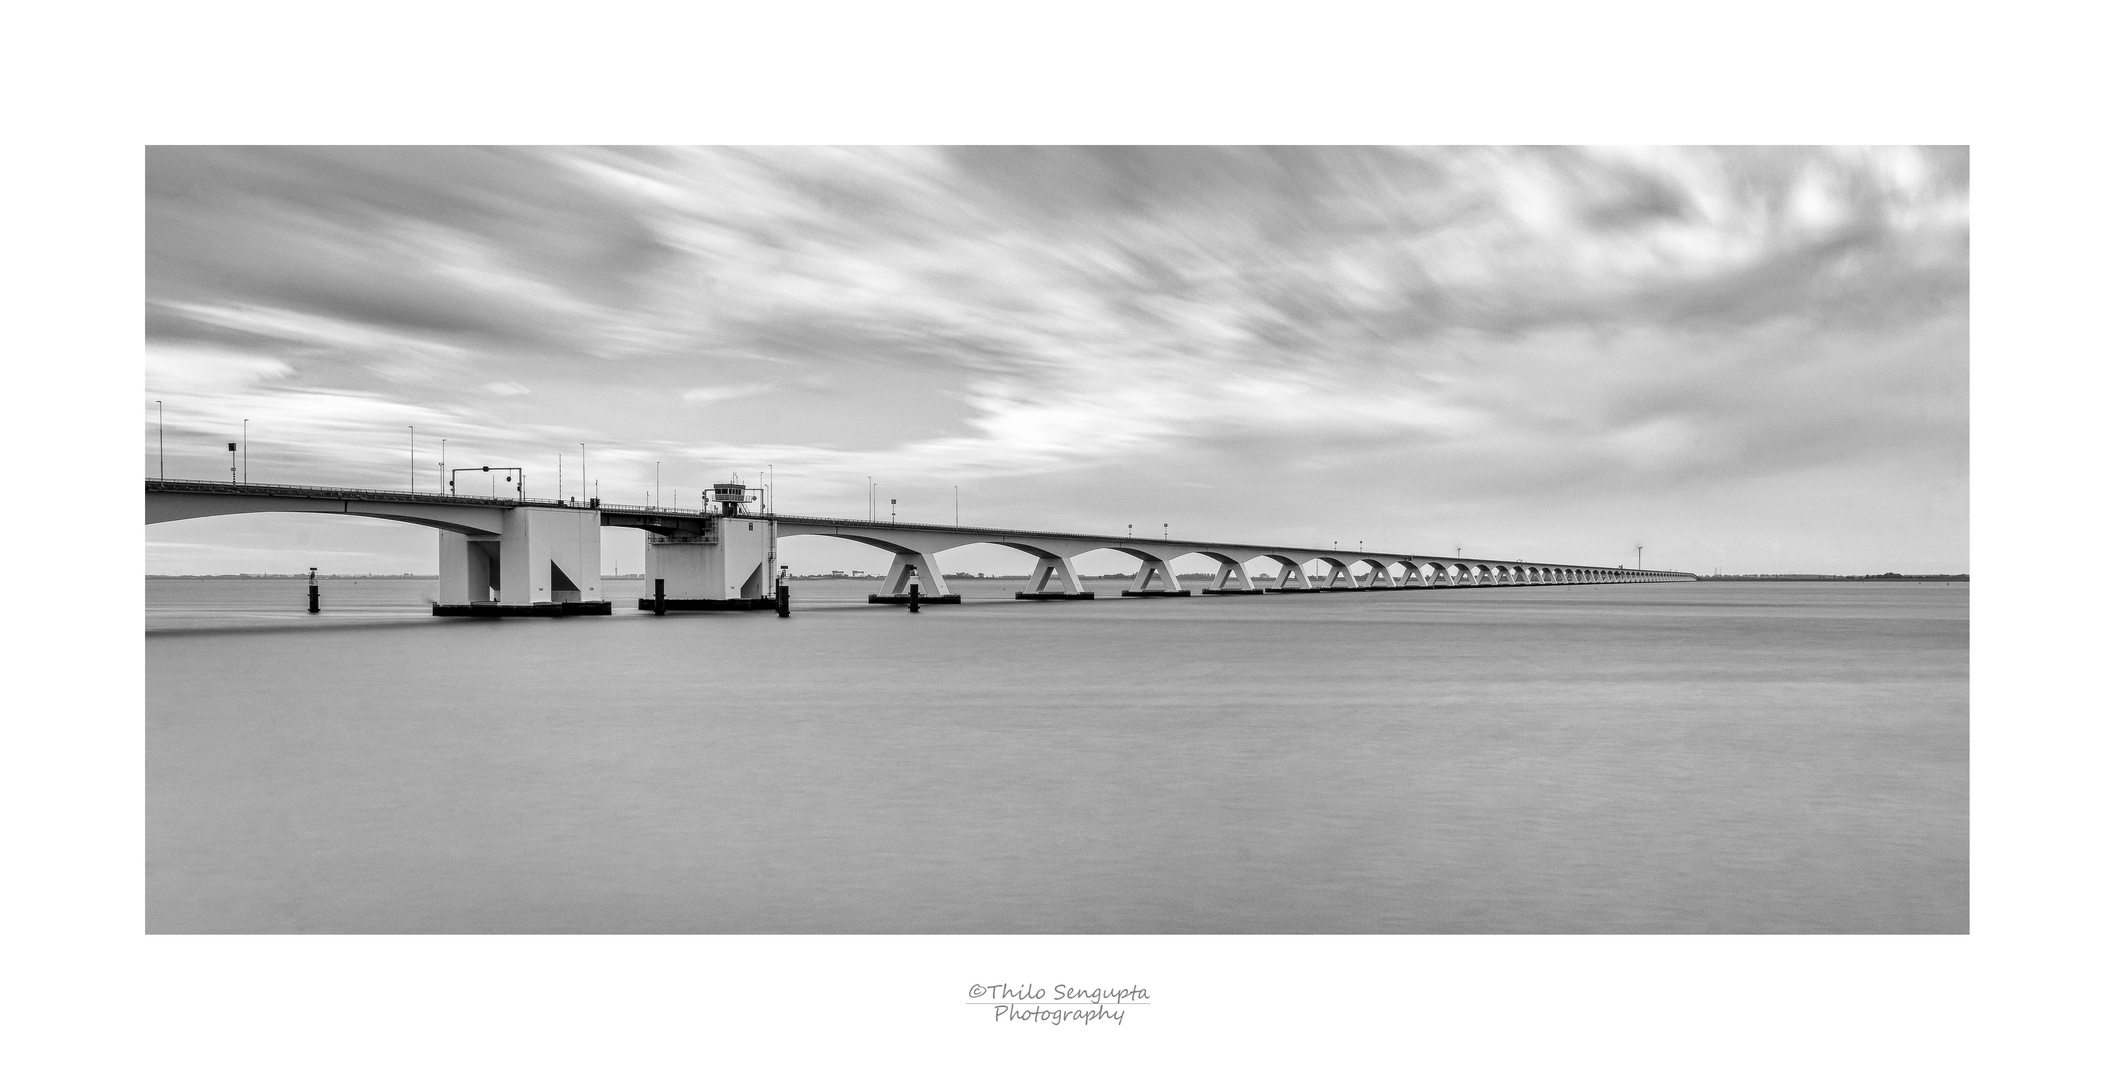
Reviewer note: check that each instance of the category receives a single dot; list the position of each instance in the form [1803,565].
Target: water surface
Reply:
[1706,757]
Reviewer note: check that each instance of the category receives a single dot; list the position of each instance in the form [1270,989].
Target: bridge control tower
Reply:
[731,498]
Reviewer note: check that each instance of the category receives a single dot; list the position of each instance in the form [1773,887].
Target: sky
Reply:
[1748,360]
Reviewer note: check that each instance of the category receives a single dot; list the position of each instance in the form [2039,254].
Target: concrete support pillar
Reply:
[469,568]
[688,567]
[1340,576]
[1148,567]
[1231,570]
[730,559]
[550,556]
[1292,575]
[1380,578]
[930,583]
[1049,568]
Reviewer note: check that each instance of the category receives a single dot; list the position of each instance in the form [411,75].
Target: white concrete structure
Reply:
[525,552]
[727,559]
[491,550]
[916,544]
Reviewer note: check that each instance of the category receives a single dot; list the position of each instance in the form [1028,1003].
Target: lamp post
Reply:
[245,450]
[657,485]
[892,511]
[444,465]
[414,456]
[583,473]
[958,505]
[161,452]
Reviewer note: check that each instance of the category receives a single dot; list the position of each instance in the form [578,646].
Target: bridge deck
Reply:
[624,515]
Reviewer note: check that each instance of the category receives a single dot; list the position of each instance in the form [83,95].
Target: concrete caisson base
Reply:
[1156,592]
[904,598]
[1053,596]
[1231,592]
[1294,589]
[739,603]
[509,611]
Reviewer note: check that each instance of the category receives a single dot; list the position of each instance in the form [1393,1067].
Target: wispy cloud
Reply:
[706,395]
[1543,326]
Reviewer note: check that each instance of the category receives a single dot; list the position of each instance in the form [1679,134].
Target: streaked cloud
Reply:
[705,395]
[1470,342]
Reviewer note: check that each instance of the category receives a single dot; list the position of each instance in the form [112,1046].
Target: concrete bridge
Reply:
[513,553]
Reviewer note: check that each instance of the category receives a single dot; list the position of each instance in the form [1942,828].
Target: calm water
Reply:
[1695,757]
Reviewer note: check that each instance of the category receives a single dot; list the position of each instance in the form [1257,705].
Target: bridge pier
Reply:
[543,562]
[1339,571]
[724,566]
[1232,578]
[932,588]
[1292,576]
[1060,569]
[1149,568]
[469,569]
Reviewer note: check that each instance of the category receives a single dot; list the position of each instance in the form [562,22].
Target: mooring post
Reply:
[315,598]
[785,595]
[660,597]
[914,590]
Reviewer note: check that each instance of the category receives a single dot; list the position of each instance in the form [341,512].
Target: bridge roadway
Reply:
[534,551]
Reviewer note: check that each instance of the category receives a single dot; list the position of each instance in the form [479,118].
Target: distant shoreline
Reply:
[1832,577]
[1011,577]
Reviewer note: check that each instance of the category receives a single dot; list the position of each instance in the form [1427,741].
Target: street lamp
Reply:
[892,511]
[161,452]
[245,451]
[414,456]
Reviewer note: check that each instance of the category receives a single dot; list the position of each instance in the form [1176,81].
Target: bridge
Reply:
[530,556]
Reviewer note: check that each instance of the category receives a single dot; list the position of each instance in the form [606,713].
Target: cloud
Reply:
[1531,324]
[706,395]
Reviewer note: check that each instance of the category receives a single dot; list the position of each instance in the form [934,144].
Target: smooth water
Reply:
[1698,757]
